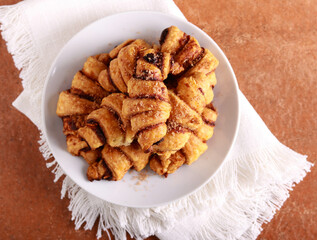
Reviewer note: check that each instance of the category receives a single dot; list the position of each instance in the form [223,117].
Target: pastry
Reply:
[73,106]
[108,124]
[115,162]
[192,149]
[141,104]
[192,93]
[148,106]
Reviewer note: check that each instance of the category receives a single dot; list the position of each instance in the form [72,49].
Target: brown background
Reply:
[272,48]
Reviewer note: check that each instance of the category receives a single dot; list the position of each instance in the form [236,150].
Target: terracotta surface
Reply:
[272,48]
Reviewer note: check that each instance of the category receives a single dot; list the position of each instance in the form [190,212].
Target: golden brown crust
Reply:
[150,122]
[91,156]
[69,104]
[194,146]
[164,157]
[192,91]
[136,155]
[166,64]
[92,135]
[150,136]
[72,123]
[106,82]
[117,162]
[156,47]
[75,144]
[204,132]
[211,78]
[116,77]
[147,119]
[104,58]
[187,56]
[92,67]
[172,39]
[141,117]
[127,58]
[114,52]
[105,123]
[92,172]
[114,102]
[109,125]
[147,71]
[147,89]
[129,134]
[156,165]
[88,87]
[115,126]
[207,64]
[209,95]
[193,149]
[134,106]
[182,115]
[209,115]
[177,160]
[148,107]
[172,141]
[98,171]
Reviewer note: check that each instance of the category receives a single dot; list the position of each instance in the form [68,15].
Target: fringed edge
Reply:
[258,185]
[47,154]
[21,46]
[240,208]
[278,193]
[27,59]
[226,195]
[86,208]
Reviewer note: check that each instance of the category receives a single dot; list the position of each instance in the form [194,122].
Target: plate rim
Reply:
[237,122]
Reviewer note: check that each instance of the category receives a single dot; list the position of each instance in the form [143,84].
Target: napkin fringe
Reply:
[269,163]
[229,211]
[20,45]
[223,193]
[257,205]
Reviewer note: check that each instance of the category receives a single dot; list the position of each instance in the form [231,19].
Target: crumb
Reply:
[142,176]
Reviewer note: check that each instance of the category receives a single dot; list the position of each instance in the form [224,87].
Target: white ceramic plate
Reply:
[102,36]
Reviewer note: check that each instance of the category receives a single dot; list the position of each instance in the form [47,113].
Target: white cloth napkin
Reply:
[251,185]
